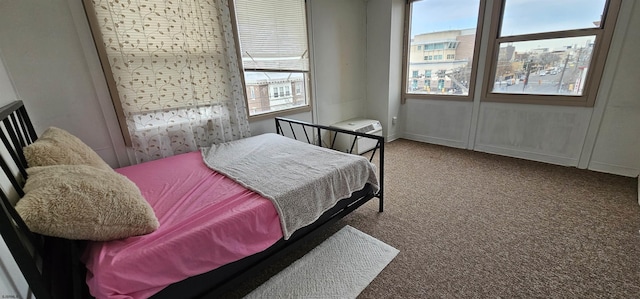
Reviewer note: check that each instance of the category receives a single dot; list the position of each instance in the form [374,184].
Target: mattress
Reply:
[206,220]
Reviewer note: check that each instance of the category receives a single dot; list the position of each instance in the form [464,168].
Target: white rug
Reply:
[341,267]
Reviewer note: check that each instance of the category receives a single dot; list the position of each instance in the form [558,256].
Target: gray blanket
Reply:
[301,180]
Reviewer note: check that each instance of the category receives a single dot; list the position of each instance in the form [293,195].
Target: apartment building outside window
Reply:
[540,52]
[433,35]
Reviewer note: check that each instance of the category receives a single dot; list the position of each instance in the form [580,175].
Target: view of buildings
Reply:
[440,63]
[559,67]
[273,91]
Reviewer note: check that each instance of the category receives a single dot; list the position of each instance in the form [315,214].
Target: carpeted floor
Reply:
[470,224]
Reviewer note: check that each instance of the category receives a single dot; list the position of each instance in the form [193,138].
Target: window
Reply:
[538,52]
[556,59]
[452,35]
[168,72]
[274,50]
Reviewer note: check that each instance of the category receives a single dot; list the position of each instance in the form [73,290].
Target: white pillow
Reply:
[84,203]
[59,147]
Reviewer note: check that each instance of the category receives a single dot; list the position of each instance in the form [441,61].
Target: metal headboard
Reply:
[47,263]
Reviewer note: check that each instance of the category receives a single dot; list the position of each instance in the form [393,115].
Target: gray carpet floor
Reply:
[476,225]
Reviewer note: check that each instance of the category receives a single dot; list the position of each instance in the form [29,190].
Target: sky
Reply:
[521,16]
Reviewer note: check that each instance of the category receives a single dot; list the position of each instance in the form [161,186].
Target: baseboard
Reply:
[534,156]
[391,138]
[613,169]
[435,140]
[539,157]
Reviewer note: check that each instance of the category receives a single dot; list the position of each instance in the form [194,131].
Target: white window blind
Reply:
[273,34]
[164,54]
[172,70]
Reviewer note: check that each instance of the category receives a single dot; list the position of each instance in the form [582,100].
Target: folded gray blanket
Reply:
[302,180]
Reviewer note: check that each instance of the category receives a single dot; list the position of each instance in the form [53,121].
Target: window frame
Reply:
[494,11]
[603,35]
[474,64]
[307,75]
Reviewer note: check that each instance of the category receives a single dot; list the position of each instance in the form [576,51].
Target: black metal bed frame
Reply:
[48,264]
[318,130]
[52,267]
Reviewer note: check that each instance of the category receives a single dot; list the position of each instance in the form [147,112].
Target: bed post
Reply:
[381,178]
[26,248]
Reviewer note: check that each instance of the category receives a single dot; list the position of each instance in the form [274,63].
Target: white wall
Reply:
[385,23]
[617,144]
[44,52]
[536,132]
[7,92]
[603,138]
[338,39]
[439,122]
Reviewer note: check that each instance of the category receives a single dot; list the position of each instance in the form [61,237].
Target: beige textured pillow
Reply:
[58,147]
[84,203]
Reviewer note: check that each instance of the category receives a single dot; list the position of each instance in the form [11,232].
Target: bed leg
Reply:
[381,167]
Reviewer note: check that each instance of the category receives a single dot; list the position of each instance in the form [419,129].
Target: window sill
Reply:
[284,112]
[551,100]
[446,97]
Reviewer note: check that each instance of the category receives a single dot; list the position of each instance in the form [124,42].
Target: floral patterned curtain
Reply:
[175,67]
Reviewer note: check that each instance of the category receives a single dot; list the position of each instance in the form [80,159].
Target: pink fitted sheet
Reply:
[206,220]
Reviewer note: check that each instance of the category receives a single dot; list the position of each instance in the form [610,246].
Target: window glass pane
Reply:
[277,83]
[442,36]
[547,67]
[273,34]
[525,17]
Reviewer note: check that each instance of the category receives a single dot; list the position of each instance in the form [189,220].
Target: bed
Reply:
[183,200]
